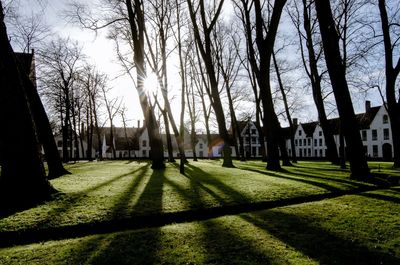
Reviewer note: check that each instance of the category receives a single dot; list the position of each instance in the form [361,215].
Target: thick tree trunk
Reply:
[45,134]
[392,72]
[137,27]
[23,179]
[358,163]
[315,79]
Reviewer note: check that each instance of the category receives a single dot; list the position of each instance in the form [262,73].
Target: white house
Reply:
[374,129]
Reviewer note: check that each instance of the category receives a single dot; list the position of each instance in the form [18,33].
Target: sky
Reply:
[101,52]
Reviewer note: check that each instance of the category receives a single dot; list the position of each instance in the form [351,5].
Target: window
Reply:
[253,140]
[364,135]
[385,119]
[315,142]
[320,153]
[59,143]
[386,134]
[374,135]
[253,131]
[144,143]
[295,142]
[320,133]
[315,153]
[200,145]
[304,142]
[144,153]
[309,151]
[299,132]
[375,151]
[300,142]
[201,154]
[309,141]
[320,142]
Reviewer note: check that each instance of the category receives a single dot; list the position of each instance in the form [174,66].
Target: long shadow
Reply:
[151,197]
[222,245]
[310,181]
[316,242]
[381,197]
[67,201]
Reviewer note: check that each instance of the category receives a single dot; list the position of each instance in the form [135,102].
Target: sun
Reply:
[151,83]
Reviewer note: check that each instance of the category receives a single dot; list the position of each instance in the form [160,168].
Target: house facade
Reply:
[374,130]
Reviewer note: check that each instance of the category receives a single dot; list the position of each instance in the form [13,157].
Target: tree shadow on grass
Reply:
[316,242]
[62,203]
[135,247]
[322,182]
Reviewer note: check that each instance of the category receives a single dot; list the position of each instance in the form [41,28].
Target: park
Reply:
[123,212]
[199,132]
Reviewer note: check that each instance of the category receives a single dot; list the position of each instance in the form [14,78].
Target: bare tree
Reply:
[30,31]
[283,91]
[314,53]
[391,39]
[349,126]
[113,106]
[59,64]
[127,22]
[227,52]
[260,36]
[203,27]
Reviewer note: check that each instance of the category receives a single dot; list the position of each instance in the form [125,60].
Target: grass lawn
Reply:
[357,228]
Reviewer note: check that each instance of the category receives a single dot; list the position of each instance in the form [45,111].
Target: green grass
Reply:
[353,229]
[362,228]
[103,191]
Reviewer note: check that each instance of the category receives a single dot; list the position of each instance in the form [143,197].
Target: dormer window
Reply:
[299,132]
[385,119]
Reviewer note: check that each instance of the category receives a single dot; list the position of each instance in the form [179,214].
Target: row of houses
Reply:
[309,139]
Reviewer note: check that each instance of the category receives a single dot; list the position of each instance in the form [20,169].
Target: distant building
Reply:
[308,138]
[374,129]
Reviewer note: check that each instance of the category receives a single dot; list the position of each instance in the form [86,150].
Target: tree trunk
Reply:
[358,163]
[392,72]
[284,154]
[44,131]
[207,56]
[137,27]
[23,179]
[169,140]
[315,79]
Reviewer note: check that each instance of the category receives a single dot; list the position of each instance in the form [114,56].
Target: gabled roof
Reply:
[309,128]
[365,119]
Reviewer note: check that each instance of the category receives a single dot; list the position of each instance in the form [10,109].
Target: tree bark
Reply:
[204,46]
[23,179]
[44,131]
[137,24]
[315,79]
[392,71]
[358,163]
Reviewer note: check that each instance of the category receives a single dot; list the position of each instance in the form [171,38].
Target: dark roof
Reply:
[365,119]
[24,61]
[309,128]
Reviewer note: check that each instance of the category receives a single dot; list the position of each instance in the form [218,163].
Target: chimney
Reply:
[295,121]
[367,106]
[138,123]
